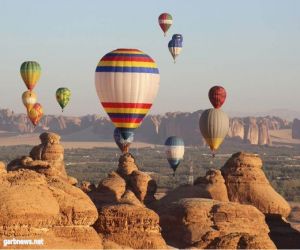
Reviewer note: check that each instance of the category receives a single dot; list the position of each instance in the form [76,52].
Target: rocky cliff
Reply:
[232,208]
[39,201]
[296,129]
[154,129]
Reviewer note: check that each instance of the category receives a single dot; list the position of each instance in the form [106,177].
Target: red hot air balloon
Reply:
[165,21]
[217,96]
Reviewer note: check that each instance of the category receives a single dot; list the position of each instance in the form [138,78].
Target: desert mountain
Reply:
[155,128]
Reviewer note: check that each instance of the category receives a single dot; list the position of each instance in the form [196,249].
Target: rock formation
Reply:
[204,223]
[296,129]
[39,201]
[154,129]
[130,226]
[123,217]
[247,184]
[211,186]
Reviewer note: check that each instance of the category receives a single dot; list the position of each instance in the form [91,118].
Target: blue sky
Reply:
[252,48]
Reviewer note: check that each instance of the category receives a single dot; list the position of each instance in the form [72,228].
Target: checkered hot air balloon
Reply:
[165,21]
[127,82]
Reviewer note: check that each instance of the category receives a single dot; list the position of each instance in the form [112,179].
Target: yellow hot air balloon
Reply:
[214,126]
[30,72]
[29,98]
[35,113]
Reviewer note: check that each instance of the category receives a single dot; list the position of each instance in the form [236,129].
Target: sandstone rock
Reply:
[236,241]
[126,165]
[214,184]
[246,183]
[263,133]
[108,244]
[296,129]
[73,181]
[2,168]
[35,206]
[251,131]
[110,189]
[208,223]
[236,128]
[143,186]
[86,186]
[128,225]
[39,200]
[130,198]
[211,186]
[46,158]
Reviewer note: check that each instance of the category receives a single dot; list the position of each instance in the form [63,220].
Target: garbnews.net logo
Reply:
[9,242]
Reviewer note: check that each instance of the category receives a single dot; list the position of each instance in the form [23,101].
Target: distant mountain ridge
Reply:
[154,129]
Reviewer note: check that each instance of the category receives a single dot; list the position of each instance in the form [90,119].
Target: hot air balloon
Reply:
[121,142]
[63,96]
[214,126]
[29,98]
[175,45]
[35,113]
[30,72]
[174,151]
[217,96]
[127,82]
[165,21]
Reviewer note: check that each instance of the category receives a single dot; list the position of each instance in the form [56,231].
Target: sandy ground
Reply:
[283,136]
[33,139]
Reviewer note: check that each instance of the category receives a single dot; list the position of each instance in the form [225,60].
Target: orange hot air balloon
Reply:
[35,113]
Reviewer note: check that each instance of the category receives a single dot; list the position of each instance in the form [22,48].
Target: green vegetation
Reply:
[281,164]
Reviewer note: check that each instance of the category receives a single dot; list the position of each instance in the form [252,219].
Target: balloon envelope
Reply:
[175,45]
[217,96]
[30,72]
[165,21]
[127,82]
[29,98]
[122,143]
[174,148]
[35,113]
[214,126]
[63,96]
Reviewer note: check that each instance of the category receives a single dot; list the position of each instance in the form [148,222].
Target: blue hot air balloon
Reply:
[174,151]
[175,45]
[122,143]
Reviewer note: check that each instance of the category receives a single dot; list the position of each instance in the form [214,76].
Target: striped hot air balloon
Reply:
[217,96]
[174,151]
[127,82]
[214,126]
[165,21]
[30,72]
[121,142]
[175,45]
